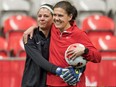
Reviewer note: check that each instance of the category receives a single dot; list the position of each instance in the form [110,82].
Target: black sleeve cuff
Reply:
[86,51]
[53,69]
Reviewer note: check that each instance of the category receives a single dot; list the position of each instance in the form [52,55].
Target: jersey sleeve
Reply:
[93,55]
[37,57]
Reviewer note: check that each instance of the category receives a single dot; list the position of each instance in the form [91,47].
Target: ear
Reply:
[70,17]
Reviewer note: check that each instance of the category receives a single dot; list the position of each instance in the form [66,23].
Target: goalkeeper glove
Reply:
[76,73]
[69,75]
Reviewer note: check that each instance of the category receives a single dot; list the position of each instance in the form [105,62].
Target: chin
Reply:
[59,27]
[42,26]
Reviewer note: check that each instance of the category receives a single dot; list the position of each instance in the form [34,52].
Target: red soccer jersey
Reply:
[59,43]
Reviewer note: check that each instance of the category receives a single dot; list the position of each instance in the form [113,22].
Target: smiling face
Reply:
[44,18]
[61,19]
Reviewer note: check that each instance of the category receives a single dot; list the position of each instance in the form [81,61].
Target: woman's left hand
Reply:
[74,53]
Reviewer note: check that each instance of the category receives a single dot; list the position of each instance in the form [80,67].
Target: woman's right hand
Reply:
[70,75]
[28,32]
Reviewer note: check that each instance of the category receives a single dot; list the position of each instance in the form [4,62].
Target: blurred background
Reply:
[96,17]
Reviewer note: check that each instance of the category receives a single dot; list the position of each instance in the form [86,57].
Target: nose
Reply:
[56,18]
[42,18]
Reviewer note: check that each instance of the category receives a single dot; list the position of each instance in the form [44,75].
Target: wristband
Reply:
[86,51]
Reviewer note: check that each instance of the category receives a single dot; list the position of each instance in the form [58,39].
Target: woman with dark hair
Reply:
[65,32]
[37,50]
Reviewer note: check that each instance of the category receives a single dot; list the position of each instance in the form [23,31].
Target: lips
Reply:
[57,23]
[42,23]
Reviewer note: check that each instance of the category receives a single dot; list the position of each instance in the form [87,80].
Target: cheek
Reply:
[49,20]
[38,20]
[49,23]
[65,19]
[38,23]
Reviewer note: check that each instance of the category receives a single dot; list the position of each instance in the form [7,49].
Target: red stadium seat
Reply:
[107,42]
[11,73]
[108,54]
[108,46]
[22,54]
[112,71]
[15,43]
[103,74]
[107,72]
[98,23]
[94,37]
[14,27]
[3,48]
[10,79]
[92,73]
[3,44]
[3,54]
[18,22]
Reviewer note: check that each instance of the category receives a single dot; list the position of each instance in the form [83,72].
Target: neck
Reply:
[66,27]
[45,32]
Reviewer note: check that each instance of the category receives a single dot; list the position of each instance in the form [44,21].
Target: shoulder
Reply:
[77,30]
[75,27]
[36,30]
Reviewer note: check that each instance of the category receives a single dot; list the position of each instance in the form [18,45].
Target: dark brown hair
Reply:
[68,7]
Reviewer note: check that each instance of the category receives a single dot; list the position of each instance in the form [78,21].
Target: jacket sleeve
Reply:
[93,54]
[37,57]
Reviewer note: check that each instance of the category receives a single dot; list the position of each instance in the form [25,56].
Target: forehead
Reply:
[44,11]
[59,10]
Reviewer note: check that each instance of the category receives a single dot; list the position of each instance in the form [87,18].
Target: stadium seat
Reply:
[92,73]
[111,6]
[10,79]
[49,1]
[3,48]
[5,79]
[18,22]
[6,15]
[15,5]
[108,42]
[89,7]
[14,27]
[112,70]
[36,4]
[3,43]
[5,66]
[103,74]
[95,36]
[3,54]
[11,72]
[107,71]
[22,54]
[108,54]
[108,47]
[15,43]
[105,43]
[100,30]
[98,23]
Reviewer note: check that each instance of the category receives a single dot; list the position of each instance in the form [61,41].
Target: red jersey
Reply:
[59,43]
